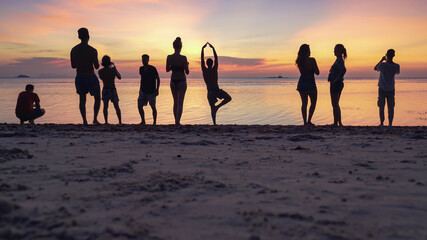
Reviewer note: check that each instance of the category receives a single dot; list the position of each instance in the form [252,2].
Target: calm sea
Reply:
[255,101]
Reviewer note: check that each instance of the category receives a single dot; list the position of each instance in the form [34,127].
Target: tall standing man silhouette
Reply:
[84,59]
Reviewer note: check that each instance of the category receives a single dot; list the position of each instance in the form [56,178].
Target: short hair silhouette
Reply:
[83,33]
[29,87]
[145,56]
[209,62]
[177,44]
[341,49]
[391,52]
[106,61]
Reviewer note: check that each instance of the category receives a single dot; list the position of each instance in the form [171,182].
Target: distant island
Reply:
[280,76]
[22,76]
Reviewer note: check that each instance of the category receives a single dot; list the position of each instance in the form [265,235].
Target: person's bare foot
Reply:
[95,122]
[142,123]
[32,122]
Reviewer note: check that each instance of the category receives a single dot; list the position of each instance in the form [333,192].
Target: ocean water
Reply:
[255,101]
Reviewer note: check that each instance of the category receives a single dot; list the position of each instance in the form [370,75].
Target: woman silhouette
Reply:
[178,64]
[336,78]
[306,83]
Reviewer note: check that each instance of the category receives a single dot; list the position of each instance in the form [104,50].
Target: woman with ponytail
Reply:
[178,64]
[336,79]
[306,83]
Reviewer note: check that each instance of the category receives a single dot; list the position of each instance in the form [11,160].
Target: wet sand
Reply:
[205,182]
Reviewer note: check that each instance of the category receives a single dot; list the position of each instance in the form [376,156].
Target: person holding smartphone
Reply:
[109,92]
[386,90]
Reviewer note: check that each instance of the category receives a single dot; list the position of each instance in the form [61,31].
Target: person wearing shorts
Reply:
[84,59]
[386,90]
[24,106]
[109,92]
[149,88]
[210,75]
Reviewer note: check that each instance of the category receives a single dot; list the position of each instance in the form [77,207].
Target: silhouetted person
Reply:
[210,75]
[109,92]
[306,83]
[24,106]
[149,88]
[386,84]
[178,64]
[84,58]
[336,79]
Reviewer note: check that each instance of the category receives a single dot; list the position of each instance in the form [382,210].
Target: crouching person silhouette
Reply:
[24,106]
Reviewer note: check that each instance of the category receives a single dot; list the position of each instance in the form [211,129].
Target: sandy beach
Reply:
[204,182]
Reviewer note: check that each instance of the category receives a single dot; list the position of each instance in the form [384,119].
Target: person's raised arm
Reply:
[187,70]
[95,60]
[376,66]
[315,67]
[202,57]
[168,66]
[118,75]
[215,55]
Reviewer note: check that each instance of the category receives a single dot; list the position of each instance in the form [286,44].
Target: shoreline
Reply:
[69,181]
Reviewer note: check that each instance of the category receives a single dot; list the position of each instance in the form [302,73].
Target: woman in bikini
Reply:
[178,64]
[306,84]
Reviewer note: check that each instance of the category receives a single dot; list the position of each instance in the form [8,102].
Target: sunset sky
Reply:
[252,37]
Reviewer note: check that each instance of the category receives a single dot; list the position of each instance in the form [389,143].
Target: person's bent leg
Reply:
[106,111]
[313,101]
[82,107]
[227,99]
[96,107]
[118,111]
[304,102]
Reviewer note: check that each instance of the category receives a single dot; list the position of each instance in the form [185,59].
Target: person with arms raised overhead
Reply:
[306,83]
[84,59]
[149,88]
[210,75]
[178,64]
[24,106]
[386,91]
[109,92]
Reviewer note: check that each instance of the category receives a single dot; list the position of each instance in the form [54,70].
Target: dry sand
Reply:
[204,182]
